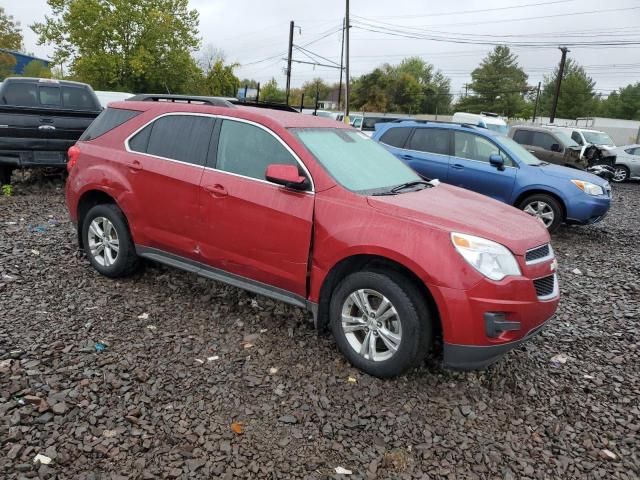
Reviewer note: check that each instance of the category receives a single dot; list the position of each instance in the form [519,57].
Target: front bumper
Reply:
[585,209]
[476,357]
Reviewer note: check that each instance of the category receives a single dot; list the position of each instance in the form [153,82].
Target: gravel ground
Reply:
[197,379]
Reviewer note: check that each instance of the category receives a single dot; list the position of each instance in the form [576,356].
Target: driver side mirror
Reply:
[287,176]
[555,147]
[497,161]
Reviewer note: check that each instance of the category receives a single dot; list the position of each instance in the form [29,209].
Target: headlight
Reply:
[491,259]
[588,187]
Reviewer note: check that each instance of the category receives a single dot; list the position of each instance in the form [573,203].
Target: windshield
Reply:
[354,160]
[518,151]
[597,138]
[503,129]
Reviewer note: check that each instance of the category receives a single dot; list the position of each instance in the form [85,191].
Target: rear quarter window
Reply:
[523,137]
[20,94]
[396,137]
[106,121]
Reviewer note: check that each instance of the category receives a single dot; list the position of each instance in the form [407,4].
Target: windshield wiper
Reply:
[404,186]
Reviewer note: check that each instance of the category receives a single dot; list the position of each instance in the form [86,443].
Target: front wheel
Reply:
[107,241]
[545,208]
[380,322]
[620,173]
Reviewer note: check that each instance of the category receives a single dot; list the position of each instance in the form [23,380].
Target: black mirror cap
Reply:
[497,161]
[555,147]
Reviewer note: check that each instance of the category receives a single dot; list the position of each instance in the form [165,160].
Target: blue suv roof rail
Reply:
[411,120]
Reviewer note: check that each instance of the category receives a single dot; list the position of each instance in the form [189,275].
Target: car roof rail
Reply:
[271,105]
[192,99]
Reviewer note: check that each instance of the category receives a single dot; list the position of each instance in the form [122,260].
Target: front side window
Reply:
[396,136]
[430,140]
[543,140]
[49,95]
[247,150]
[524,137]
[475,147]
[575,136]
[184,138]
[354,160]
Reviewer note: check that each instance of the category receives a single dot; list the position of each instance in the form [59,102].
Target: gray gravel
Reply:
[199,380]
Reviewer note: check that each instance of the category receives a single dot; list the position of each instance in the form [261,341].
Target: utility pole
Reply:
[535,107]
[289,62]
[563,59]
[346,69]
[341,66]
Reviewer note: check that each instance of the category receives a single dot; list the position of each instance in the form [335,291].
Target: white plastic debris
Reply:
[254,303]
[43,459]
[352,380]
[152,327]
[608,454]
[273,370]
[143,316]
[199,360]
[435,182]
[35,252]
[263,330]
[588,377]
[560,358]
[343,471]
[213,358]
[576,271]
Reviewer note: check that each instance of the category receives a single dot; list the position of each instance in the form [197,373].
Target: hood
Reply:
[569,174]
[454,209]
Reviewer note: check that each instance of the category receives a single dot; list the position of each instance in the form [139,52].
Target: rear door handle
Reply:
[409,157]
[457,166]
[216,190]
[531,151]
[46,127]
[135,166]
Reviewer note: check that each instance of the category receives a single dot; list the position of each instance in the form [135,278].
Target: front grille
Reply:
[537,253]
[544,286]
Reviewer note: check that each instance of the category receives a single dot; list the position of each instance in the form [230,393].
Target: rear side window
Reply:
[20,94]
[78,98]
[49,96]
[184,138]
[247,150]
[106,121]
[523,137]
[431,140]
[396,137]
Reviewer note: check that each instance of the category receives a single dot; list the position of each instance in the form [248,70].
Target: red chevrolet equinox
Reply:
[311,212]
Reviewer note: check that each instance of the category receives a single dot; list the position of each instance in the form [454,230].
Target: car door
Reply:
[427,152]
[542,142]
[469,167]
[251,227]
[165,165]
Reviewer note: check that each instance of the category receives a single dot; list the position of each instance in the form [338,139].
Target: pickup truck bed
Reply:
[40,119]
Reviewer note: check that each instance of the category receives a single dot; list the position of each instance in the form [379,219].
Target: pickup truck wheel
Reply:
[107,241]
[376,321]
[620,173]
[545,208]
[5,175]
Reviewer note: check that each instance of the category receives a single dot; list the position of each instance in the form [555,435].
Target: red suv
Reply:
[313,213]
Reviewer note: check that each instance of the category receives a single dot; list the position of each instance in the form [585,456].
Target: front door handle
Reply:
[457,166]
[135,166]
[531,151]
[216,190]
[46,127]
[408,157]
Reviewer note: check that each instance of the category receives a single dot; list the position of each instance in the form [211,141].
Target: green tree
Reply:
[577,96]
[624,104]
[10,33]
[134,45]
[270,92]
[309,89]
[36,68]
[498,85]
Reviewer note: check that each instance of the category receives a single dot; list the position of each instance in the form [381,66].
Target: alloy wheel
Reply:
[371,325]
[542,211]
[103,241]
[619,174]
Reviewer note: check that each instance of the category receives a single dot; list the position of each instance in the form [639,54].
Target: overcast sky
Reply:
[255,34]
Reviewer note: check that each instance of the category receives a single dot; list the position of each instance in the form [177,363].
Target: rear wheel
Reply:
[620,173]
[380,322]
[545,208]
[107,241]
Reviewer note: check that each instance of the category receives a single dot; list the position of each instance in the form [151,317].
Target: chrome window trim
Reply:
[222,117]
[549,256]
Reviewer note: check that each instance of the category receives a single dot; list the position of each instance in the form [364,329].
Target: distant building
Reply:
[22,60]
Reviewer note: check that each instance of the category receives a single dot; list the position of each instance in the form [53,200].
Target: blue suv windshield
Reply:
[520,153]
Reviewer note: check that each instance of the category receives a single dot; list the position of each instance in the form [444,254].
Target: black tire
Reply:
[5,175]
[412,314]
[620,170]
[551,202]
[126,261]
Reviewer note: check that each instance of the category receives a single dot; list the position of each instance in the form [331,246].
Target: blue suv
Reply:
[492,164]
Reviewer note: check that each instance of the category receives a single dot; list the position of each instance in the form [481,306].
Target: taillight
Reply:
[73,153]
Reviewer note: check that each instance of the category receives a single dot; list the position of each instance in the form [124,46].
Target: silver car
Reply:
[627,162]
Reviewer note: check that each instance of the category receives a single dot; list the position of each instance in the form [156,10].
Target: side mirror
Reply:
[555,147]
[497,161]
[287,176]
